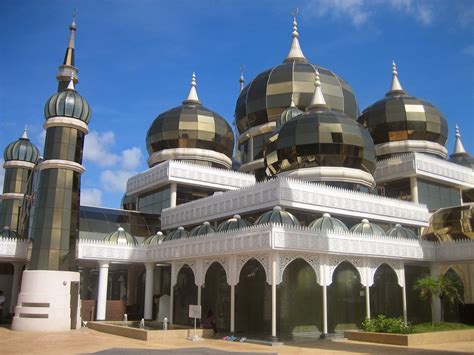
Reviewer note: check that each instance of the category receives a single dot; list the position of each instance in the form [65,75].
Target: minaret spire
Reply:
[318,100]
[241,79]
[25,133]
[396,87]
[295,53]
[68,69]
[458,146]
[192,95]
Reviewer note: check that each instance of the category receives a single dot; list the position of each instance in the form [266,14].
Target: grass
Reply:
[439,327]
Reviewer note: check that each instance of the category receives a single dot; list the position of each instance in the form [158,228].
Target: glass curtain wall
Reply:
[216,296]
[299,301]
[346,299]
[385,293]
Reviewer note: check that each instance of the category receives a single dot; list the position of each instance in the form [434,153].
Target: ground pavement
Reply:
[88,341]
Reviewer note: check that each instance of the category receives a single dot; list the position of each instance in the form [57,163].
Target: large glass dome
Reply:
[68,103]
[190,125]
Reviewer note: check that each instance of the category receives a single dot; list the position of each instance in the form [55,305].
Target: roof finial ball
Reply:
[294,13]
[295,54]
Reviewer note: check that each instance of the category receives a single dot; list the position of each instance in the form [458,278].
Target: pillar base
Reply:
[273,339]
[47,301]
[323,336]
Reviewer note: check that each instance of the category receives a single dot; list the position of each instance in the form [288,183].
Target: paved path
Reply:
[87,341]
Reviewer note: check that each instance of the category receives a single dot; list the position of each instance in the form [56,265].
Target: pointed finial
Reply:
[318,98]
[292,103]
[396,87]
[241,79]
[192,95]
[295,53]
[71,83]
[25,133]
[73,27]
[458,146]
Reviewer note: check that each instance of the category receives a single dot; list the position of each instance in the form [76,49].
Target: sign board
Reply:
[194,311]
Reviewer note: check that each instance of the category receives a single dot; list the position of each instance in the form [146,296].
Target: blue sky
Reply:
[135,60]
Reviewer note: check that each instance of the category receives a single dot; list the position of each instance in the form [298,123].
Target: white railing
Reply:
[306,196]
[190,173]
[103,250]
[13,248]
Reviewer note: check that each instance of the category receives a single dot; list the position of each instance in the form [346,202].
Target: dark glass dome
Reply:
[68,103]
[277,215]
[190,125]
[236,222]
[202,229]
[320,137]
[269,93]
[402,117]
[22,150]
[288,114]
[121,237]
[328,223]
[9,234]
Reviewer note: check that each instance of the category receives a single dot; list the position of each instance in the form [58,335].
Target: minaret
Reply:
[56,222]
[395,87]
[20,159]
[67,69]
[241,79]
[295,54]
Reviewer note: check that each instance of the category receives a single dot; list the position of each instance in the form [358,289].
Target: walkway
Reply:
[87,341]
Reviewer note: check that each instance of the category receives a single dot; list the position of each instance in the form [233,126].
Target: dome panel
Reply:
[236,222]
[202,229]
[22,150]
[154,239]
[278,215]
[365,227]
[67,103]
[401,232]
[121,237]
[179,233]
[328,223]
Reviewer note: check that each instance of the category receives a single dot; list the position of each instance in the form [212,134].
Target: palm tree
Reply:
[429,287]
[451,291]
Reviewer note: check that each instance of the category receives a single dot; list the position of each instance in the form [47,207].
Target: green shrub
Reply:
[382,324]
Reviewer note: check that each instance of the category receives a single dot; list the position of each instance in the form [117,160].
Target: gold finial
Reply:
[295,13]
[395,87]
[25,132]
[192,95]
[318,98]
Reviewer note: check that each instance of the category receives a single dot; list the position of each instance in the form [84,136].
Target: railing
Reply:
[13,249]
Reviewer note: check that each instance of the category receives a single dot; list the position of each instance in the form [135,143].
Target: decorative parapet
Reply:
[102,250]
[188,173]
[292,193]
[456,251]
[423,165]
[13,249]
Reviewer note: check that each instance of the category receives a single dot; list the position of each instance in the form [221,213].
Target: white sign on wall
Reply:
[194,311]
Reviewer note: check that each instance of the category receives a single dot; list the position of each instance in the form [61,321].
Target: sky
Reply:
[136,57]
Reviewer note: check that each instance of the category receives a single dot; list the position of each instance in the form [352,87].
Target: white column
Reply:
[250,148]
[15,285]
[172,293]
[325,311]
[173,187]
[404,300]
[102,294]
[367,302]
[274,298]
[434,270]
[199,295]
[149,278]
[232,308]
[414,189]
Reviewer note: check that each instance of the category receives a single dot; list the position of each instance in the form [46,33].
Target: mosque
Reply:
[321,217]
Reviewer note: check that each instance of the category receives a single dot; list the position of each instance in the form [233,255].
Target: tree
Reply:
[429,287]
[444,287]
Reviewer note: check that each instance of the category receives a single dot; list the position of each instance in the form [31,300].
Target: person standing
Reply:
[2,303]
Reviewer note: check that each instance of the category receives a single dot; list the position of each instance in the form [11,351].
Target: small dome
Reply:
[328,223]
[401,232]
[22,150]
[203,229]
[121,237]
[278,215]
[400,117]
[288,114]
[10,234]
[179,233]
[365,227]
[154,239]
[236,222]
[68,103]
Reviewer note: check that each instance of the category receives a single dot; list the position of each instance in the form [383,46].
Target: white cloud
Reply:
[131,158]
[359,12]
[91,197]
[115,180]
[469,50]
[97,148]
[2,174]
